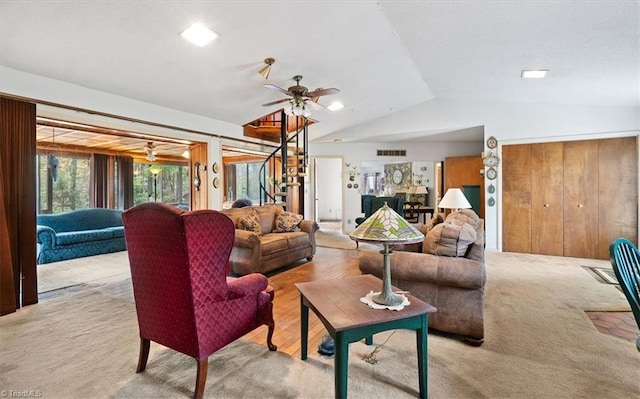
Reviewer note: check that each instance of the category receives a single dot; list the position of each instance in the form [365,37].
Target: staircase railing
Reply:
[275,186]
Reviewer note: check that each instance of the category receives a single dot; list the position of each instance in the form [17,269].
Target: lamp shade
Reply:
[454,199]
[385,226]
[421,190]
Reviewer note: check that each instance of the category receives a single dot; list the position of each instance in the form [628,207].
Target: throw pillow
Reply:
[449,239]
[250,222]
[287,222]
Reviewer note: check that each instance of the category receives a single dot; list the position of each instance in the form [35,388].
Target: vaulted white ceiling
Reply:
[384,56]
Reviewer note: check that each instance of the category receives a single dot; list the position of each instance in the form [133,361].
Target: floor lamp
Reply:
[154,171]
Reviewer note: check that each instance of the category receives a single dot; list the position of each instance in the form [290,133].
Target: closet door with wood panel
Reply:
[516,198]
[581,199]
[547,182]
[618,192]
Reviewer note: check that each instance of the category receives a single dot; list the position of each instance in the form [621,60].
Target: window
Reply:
[243,180]
[63,182]
[163,183]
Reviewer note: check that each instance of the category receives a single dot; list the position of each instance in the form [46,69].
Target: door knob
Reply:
[580,205]
[546,205]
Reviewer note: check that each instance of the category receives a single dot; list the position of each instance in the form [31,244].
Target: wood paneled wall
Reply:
[459,171]
[199,198]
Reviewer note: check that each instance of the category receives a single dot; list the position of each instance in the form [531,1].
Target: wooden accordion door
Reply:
[581,199]
[617,191]
[547,199]
[516,198]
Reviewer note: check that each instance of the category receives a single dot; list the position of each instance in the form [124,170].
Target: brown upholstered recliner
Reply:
[184,299]
[447,270]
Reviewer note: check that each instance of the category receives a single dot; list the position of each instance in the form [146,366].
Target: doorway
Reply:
[328,193]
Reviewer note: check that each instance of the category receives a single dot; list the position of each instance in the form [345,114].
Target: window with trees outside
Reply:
[63,182]
[162,183]
[243,180]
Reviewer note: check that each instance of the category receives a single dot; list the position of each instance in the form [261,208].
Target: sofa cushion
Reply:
[250,222]
[267,214]
[287,222]
[75,237]
[297,239]
[449,239]
[117,232]
[273,243]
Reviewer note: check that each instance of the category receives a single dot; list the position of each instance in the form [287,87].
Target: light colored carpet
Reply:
[539,344]
[99,269]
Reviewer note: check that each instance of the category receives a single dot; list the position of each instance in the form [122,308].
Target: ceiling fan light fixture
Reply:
[265,70]
[151,152]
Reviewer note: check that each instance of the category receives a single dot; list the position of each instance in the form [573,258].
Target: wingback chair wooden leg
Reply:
[145,344]
[201,378]
[270,344]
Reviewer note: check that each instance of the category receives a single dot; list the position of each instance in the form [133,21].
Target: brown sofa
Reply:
[264,249]
[447,270]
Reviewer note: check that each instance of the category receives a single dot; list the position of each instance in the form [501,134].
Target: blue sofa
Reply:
[83,232]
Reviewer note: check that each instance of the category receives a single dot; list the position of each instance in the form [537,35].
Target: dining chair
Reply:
[625,260]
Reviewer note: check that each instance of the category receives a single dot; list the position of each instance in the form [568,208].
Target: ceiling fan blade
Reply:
[276,88]
[275,102]
[322,92]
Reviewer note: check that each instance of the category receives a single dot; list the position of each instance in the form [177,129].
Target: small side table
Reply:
[337,304]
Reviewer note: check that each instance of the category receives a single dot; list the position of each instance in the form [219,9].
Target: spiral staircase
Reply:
[283,172]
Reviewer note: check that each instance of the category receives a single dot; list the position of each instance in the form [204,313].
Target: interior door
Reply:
[581,199]
[547,204]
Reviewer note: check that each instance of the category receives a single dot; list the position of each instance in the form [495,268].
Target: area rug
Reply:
[539,344]
[99,269]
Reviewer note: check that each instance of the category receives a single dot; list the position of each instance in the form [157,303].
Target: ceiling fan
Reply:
[299,97]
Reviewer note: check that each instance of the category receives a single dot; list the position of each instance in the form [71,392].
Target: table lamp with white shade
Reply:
[454,199]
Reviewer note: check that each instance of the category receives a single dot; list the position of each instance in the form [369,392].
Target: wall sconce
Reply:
[197,167]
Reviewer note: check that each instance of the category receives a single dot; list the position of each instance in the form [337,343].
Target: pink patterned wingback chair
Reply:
[184,298]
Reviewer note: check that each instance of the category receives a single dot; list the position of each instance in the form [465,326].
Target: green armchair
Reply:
[371,204]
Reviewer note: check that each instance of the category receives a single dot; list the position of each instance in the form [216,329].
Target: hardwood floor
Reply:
[328,263]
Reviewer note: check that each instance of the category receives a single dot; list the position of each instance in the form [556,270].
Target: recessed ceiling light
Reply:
[199,34]
[533,73]
[335,106]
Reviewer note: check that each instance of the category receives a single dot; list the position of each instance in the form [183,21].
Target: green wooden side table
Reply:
[337,304]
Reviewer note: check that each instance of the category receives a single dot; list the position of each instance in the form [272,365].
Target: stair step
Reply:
[280,194]
[294,183]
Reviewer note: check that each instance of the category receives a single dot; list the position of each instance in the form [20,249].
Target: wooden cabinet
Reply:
[569,198]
